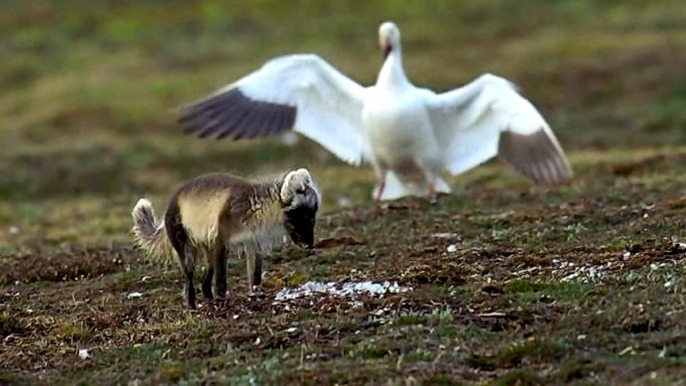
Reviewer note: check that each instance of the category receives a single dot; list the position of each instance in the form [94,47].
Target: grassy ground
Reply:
[580,283]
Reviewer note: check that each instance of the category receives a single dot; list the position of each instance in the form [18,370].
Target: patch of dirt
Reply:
[647,165]
[516,281]
[333,242]
[67,264]
[10,325]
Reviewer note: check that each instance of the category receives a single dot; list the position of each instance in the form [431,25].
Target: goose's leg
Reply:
[379,191]
[433,196]
[380,172]
[430,176]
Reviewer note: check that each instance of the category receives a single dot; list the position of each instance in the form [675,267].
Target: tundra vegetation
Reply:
[512,283]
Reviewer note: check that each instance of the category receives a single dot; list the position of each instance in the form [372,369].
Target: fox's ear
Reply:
[305,174]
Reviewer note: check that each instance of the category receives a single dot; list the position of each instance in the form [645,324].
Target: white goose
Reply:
[408,134]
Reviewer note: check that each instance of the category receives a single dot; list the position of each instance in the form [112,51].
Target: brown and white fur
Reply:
[217,214]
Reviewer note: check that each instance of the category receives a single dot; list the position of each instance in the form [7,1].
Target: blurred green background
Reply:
[88,90]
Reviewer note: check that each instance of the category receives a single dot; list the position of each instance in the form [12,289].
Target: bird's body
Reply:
[408,134]
[399,131]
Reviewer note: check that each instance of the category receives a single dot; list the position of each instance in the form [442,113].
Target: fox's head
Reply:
[300,202]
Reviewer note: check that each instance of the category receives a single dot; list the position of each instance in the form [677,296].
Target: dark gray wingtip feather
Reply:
[535,156]
[231,114]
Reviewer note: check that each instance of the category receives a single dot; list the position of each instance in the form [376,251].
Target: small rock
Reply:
[356,304]
[593,272]
[14,230]
[133,295]
[627,350]
[452,248]
[83,353]
[444,235]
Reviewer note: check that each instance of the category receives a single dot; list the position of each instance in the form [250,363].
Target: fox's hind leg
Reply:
[209,274]
[219,260]
[179,241]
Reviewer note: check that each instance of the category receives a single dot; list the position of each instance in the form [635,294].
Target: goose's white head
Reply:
[389,38]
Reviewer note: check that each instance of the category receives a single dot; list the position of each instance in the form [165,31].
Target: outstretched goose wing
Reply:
[302,93]
[488,117]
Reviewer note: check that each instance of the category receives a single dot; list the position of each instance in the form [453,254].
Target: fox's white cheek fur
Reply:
[305,175]
[286,193]
[295,180]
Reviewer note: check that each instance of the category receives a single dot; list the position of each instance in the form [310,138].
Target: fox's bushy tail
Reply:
[149,235]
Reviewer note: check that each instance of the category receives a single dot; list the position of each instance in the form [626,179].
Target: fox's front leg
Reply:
[254,266]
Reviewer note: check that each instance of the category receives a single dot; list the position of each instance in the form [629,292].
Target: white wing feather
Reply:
[470,121]
[328,103]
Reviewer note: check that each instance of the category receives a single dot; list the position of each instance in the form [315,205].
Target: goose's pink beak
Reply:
[386,47]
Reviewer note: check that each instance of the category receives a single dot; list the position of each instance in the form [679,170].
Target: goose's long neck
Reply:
[392,74]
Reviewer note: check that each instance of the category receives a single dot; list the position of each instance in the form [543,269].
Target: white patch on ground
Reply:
[567,271]
[83,353]
[615,269]
[133,295]
[350,289]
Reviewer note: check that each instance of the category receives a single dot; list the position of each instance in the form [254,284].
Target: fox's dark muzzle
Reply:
[300,225]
